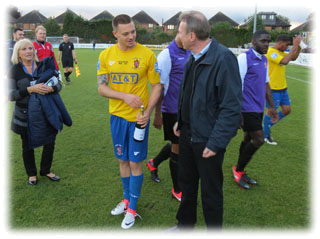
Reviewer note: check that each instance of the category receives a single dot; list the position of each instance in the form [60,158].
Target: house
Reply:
[31,20]
[271,21]
[143,20]
[307,30]
[11,21]
[171,25]
[60,18]
[103,15]
[220,17]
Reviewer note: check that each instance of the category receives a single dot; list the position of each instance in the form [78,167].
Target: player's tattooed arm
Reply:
[103,79]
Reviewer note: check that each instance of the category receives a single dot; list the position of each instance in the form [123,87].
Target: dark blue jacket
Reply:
[215,101]
[46,113]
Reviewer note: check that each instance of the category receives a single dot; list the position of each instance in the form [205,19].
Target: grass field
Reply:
[90,185]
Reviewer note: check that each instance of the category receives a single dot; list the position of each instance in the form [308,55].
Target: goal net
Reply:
[57,40]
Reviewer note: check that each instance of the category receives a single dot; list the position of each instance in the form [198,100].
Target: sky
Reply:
[165,9]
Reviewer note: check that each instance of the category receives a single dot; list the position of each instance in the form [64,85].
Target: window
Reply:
[170,27]
[150,25]
[271,17]
[263,17]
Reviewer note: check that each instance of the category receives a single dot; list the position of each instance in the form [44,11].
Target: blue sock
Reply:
[281,115]
[126,187]
[135,189]
[266,125]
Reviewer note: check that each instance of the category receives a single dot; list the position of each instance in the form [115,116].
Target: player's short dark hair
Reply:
[257,34]
[196,23]
[17,29]
[121,19]
[283,37]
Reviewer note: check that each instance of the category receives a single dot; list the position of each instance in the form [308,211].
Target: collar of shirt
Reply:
[257,54]
[202,52]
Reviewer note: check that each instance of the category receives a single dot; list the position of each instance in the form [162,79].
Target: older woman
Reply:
[22,85]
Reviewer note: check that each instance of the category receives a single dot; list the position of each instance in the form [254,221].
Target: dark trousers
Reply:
[29,159]
[192,167]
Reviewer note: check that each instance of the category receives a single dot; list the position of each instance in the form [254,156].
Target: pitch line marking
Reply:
[293,78]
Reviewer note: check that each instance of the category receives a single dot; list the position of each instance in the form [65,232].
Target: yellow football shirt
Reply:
[277,72]
[129,72]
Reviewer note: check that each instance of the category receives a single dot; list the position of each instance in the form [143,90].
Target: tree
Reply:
[52,27]
[259,26]
[68,24]
[283,18]
[14,12]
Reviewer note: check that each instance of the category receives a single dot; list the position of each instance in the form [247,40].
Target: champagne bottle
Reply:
[139,131]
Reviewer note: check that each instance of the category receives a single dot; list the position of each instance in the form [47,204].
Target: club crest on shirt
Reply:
[136,63]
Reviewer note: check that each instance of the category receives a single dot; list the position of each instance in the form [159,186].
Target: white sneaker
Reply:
[270,140]
[128,221]
[119,209]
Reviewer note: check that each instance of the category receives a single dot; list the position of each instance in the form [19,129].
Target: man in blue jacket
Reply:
[209,109]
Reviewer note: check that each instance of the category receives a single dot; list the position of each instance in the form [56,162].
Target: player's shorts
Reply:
[67,62]
[169,120]
[125,147]
[280,97]
[252,121]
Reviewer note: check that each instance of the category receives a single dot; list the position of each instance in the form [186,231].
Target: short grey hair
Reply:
[196,23]
[15,55]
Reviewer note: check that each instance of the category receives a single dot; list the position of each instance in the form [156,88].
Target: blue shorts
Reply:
[280,97]
[125,147]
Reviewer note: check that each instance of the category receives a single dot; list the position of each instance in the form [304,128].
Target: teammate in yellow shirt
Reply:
[124,70]
[278,59]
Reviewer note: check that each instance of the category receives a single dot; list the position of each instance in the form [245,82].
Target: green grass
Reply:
[90,184]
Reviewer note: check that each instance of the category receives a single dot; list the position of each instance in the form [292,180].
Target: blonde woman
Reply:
[43,48]
[21,86]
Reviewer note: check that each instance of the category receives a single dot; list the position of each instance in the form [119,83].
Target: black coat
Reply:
[215,101]
[46,113]
[38,116]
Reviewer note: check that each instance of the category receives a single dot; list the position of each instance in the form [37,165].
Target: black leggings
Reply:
[29,159]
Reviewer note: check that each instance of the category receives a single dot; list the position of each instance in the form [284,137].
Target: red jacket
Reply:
[45,50]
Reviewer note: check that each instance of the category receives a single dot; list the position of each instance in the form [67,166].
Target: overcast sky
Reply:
[162,10]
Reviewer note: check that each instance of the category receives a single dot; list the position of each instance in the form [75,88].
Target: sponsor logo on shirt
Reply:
[156,67]
[124,78]
[274,55]
[98,65]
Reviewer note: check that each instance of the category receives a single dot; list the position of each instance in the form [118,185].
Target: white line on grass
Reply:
[293,78]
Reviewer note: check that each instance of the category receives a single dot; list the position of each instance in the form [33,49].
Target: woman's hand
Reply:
[40,89]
